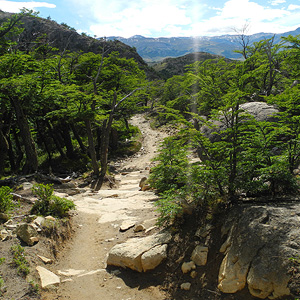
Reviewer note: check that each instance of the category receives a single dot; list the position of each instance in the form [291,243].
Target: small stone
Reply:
[126,225]
[150,229]
[194,274]
[187,267]
[33,240]
[4,217]
[186,286]
[146,187]
[45,259]
[4,235]
[199,255]
[143,182]
[139,228]
[50,218]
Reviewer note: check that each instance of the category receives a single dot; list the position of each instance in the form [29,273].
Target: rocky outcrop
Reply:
[260,242]
[140,254]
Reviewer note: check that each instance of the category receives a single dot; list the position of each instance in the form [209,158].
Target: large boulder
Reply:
[260,243]
[259,110]
[140,254]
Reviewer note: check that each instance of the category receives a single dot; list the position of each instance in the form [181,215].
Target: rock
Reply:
[139,228]
[199,255]
[39,221]
[45,259]
[151,228]
[152,258]
[129,254]
[50,218]
[4,235]
[126,225]
[27,233]
[143,181]
[259,245]
[4,217]
[185,286]
[194,274]
[47,278]
[187,267]
[146,187]
[27,186]
[203,232]
[259,110]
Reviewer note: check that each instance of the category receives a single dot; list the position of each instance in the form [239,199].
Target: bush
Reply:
[171,171]
[19,259]
[49,204]
[6,199]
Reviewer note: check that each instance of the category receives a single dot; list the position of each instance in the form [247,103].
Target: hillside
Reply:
[176,66]
[156,49]
[61,37]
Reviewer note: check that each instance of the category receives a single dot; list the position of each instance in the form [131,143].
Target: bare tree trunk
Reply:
[3,151]
[92,147]
[78,138]
[31,164]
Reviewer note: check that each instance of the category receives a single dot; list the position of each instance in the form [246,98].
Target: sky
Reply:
[167,18]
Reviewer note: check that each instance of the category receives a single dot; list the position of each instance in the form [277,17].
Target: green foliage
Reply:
[169,207]
[170,172]
[2,259]
[6,199]
[19,259]
[34,288]
[49,204]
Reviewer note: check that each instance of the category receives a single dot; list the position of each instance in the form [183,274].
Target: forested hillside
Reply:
[61,103]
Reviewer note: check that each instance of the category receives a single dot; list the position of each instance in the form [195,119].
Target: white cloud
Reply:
[293,7]
[277,2]
[236,13]
[14,7]
[183,17]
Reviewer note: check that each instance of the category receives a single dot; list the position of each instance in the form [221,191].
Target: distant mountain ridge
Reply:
[156,49]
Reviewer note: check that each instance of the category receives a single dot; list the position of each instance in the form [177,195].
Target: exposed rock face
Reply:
[260,242]
[140,254]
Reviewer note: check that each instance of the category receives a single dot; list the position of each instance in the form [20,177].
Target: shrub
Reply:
[6,199]
[19,259]
[49,204]
[2,259]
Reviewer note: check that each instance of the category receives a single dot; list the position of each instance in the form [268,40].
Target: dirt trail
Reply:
[82,264]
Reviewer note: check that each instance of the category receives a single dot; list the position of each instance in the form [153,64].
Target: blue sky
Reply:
[166,18]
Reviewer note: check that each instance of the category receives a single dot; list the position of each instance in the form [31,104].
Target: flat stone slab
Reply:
[47,277]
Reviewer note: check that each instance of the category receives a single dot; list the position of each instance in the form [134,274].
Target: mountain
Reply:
[171,66]
[156,49]
[60,36]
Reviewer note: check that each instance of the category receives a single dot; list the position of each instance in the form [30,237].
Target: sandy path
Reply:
[82,264]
